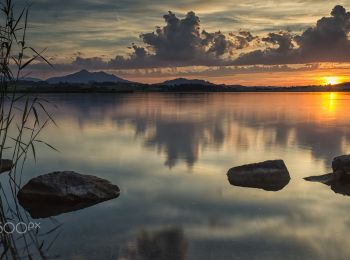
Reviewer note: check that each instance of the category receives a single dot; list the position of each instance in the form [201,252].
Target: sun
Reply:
[329,81]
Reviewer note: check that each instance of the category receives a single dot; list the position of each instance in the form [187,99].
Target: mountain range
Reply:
[85,77]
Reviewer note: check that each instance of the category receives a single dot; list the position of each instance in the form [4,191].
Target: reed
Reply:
[22,120]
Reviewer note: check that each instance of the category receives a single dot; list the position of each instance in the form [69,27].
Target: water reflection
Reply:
[183,126]
[166,244]
[46,209]
[128,138]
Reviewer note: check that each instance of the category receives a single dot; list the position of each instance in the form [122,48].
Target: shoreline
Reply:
[122,88]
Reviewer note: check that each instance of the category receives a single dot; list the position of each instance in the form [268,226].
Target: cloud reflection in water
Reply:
[128,138]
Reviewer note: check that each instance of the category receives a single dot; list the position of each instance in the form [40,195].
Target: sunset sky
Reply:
[246,42]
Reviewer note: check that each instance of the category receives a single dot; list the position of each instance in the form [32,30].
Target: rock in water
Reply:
[339,186]
[268,175]
[5,165]
[341,167]
[59,192]
[339,180]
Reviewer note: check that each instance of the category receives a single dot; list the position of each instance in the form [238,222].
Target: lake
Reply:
[169,154]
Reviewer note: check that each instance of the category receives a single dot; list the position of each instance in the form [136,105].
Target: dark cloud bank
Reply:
[179,43]
[326,42]
[182,42]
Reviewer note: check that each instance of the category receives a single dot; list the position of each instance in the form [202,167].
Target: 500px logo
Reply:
[20,227]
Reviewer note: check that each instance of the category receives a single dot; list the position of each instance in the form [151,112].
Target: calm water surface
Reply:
[169,155]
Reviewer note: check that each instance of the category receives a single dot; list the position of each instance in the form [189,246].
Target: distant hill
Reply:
[344,84]
[30,79]
[183,81]
[85,77]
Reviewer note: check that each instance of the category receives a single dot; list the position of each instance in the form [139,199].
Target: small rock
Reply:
[5,165]
[60,192]
[339,186]
[268,175]
[341,167]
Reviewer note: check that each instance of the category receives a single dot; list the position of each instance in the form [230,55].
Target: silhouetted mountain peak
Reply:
[83,71]
[84,77]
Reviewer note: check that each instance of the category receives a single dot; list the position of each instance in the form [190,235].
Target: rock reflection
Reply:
[5,165]
[45,209]
[166,244]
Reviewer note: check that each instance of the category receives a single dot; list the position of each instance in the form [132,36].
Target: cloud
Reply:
[282,53]
[327,41]
[218,43]
[244,38]
[180,42]
[94,62]
[215,71]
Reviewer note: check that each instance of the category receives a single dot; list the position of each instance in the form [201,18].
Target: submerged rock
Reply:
[341,167]
[5,165]
[59,192]
[339,186]
[268,175]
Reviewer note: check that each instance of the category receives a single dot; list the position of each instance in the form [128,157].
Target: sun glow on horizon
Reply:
[329,81]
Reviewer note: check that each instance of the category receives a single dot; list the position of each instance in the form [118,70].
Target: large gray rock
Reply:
[59,192]
[5,165]
[268,175]
[341,167]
